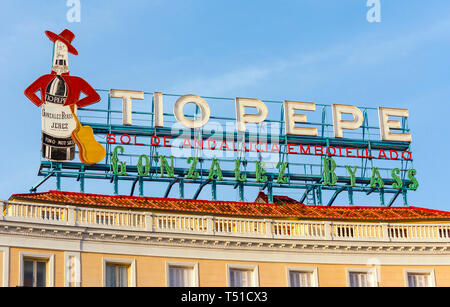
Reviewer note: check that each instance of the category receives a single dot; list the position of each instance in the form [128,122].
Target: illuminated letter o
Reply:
[122,141]
[328,151]
[409,155]
[188,123]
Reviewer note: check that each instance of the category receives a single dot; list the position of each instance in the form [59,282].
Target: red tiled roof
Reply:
[283,207]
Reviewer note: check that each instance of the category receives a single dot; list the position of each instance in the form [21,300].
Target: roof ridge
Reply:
[140,197]
[282,209]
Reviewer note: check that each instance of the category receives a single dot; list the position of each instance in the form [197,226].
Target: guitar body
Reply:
[89,150]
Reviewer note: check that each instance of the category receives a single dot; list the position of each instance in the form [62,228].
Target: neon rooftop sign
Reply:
[142,137]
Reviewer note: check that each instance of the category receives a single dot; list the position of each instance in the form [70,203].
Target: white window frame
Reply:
[372,273]
[5,253]
[131,263]
[311,270]
[432,279]
[49,258]
[67,273]
[190,265]
[253,268]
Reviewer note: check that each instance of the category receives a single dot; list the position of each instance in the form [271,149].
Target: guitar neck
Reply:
[72,108]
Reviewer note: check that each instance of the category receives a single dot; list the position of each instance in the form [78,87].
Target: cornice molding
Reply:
[215,242]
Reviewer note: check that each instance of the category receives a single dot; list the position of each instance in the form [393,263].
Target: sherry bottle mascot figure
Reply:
[60,98]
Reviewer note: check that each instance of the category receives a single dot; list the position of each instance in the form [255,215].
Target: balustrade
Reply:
[224,226]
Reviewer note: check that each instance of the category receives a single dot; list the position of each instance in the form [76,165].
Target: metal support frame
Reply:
[169,187]
[241,192]
[33,189]
[335,195]
[319,195]
[58,176]
[240,187]
[269,186]
[382,197]
[181,188]
[133,186]
[405,198]
[214,190]
[350,196]
[116,185]
[81,179]
[305,195]
[141,187]
[200,188]
[394,198]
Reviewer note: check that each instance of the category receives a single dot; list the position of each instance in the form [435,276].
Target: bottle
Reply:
[57,119]
[57,123]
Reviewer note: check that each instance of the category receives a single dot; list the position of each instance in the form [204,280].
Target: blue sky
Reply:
[322,51]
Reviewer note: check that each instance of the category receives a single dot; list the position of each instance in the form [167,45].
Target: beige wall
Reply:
[151,271]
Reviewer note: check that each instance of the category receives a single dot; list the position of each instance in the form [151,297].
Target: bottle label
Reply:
[57,119]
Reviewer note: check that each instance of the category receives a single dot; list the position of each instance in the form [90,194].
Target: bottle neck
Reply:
[60,58]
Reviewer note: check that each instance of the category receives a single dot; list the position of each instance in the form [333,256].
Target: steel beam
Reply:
[335,195]
[200,188]
[394,198]
[169,187]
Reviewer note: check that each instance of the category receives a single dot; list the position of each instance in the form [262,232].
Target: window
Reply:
[116,275]
[243,276]
[36,269]
[362,278]
[359,279]
[418,280]
[119,272]
[421,278]
[34,273]
[182,274]
[240,278]
[302,277]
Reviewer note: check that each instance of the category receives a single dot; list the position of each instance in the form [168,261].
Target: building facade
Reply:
[73,239]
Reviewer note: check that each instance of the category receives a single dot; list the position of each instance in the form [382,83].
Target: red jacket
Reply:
[75,86]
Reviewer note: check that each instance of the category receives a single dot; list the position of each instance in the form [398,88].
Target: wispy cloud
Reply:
[228,81]
[359,53]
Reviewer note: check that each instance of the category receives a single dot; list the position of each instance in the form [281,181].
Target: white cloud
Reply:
[227,81]
[358,53]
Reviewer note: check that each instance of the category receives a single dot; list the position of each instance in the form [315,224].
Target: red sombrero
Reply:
[66,36]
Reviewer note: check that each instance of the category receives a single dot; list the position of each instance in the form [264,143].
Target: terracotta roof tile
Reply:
[283,207]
